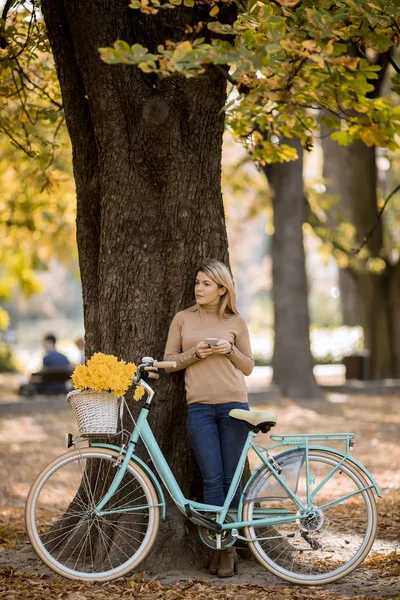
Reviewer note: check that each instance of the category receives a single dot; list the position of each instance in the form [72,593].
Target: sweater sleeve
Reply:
[241,355]
[173,348]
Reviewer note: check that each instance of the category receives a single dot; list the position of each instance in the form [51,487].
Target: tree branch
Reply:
[378,219]
[394,64]
[3,42]
[13,139]
[226,74]
[31,21]
[23,75]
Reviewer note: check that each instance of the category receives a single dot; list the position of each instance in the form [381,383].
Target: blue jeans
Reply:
[217,441]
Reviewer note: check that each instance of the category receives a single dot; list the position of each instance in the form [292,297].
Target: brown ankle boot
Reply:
[227,563]
[214,564]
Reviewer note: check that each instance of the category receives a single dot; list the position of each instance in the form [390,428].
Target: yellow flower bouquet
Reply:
[104,373]
[99,385]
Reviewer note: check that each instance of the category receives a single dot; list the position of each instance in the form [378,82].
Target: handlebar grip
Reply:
[153,375]
[164,364]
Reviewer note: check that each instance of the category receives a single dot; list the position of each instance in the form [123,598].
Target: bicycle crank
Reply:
[209,537]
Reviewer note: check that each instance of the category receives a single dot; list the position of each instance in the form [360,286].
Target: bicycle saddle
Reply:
[261,420]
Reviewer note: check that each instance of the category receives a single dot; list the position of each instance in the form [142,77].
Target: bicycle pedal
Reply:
[192,514]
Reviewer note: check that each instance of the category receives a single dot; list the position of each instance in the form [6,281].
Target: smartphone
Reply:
[211,341]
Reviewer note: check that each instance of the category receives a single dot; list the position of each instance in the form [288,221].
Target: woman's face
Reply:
[206,290]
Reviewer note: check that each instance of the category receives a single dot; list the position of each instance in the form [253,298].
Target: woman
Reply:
[214,381]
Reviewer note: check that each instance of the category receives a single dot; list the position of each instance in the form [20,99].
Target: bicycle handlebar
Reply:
[164,364]
[152,375]
[148,368]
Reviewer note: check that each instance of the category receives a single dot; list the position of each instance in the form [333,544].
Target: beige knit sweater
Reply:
[218,378]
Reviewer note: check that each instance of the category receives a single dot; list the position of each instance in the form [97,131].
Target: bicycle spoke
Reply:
[329,541]
[68,538]
[126,531]
[73,494]
[84,541]
[117,502]
[73,535]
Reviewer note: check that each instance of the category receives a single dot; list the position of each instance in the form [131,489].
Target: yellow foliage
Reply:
[309,45]
[289,3]
[4,319]
[214,11]
[373,136]
[349,62]
[182,49]
[341,258]
[376,265]
[104,372]
[139,393]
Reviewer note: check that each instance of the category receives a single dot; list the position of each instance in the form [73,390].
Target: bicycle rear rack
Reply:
[305,439]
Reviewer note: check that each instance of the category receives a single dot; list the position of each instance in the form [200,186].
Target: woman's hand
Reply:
[223,347]
[203,350]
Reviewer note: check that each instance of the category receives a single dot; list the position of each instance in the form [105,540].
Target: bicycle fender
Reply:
[148,472]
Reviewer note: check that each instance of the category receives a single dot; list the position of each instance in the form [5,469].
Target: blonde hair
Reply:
[220,274]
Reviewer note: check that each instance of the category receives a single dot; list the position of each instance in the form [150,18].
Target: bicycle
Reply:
[307,513]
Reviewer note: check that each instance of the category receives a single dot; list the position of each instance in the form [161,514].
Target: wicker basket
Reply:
[96,412]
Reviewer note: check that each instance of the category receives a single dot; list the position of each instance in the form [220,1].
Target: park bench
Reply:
[358,366]
[53,375]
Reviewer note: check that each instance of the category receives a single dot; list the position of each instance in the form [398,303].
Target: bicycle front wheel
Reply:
[323,547]
[64,529]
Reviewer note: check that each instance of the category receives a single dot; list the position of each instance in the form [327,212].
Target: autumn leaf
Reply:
[372,136]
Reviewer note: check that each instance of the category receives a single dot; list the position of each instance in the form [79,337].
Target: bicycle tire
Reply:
[292,546]
[58,512]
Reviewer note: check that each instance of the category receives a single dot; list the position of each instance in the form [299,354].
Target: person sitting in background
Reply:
[80,344]
[53,361]
[54,375]
[53,358]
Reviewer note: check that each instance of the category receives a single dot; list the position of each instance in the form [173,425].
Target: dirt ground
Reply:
[33,433]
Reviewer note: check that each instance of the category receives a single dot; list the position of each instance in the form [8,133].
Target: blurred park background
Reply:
[328,203]
[40,289]
[316,81]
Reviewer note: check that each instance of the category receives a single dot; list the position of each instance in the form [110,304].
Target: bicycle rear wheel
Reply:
[68,536]
[323,548]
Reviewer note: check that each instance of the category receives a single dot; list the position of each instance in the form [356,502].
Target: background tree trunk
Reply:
[147,162]
[292,361]
[374,289]
[336,174]
[350,174]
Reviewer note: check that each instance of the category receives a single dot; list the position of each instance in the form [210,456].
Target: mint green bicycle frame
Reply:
[189,507]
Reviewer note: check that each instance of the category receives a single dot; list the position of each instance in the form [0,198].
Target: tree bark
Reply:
[147,162]
[292,361]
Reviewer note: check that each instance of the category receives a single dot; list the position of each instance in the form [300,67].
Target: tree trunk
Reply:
[292,361]
[147,162]
[351,176]
[337,175]
[349,299]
